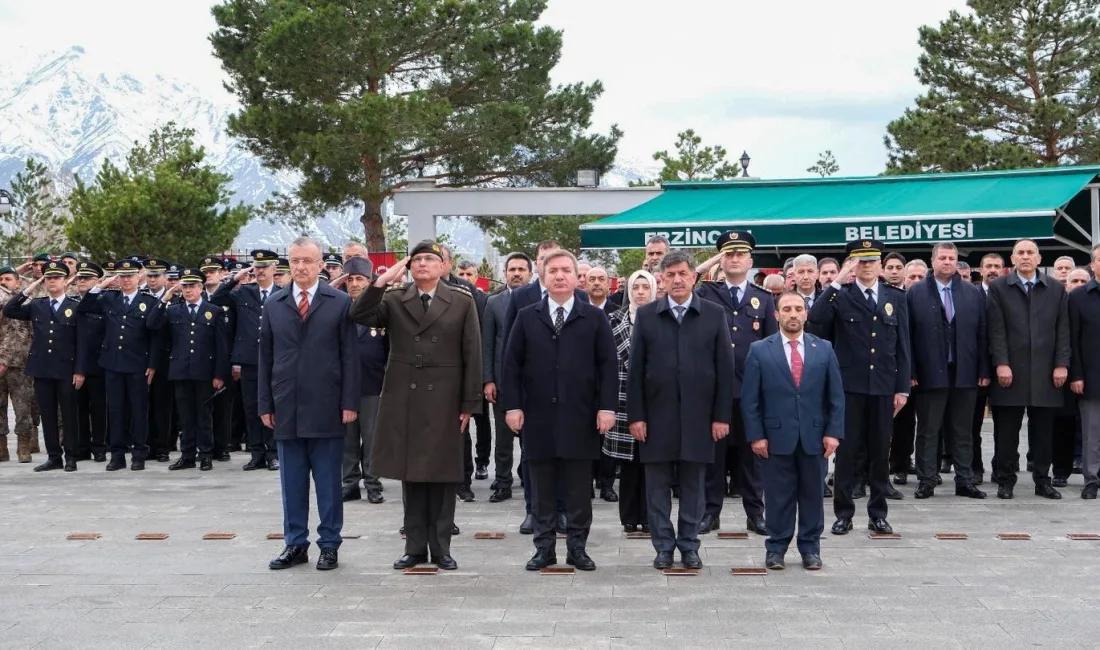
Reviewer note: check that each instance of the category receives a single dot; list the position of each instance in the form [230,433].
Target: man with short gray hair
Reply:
[805,278]
[656,247]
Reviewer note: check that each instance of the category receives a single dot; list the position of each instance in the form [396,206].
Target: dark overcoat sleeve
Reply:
[1076,366]
[834,391]
[1062,350]
[18,308]
[369,309]
[823,312]
[751,393]
[904,380]
[515,355]
[607,366]
[266,403]
[635,382]
[471,363]
[998,334]
[722,408]
[984,369]
[349,359]
[221,350]
[489,340]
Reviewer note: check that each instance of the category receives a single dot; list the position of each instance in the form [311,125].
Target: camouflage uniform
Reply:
[15,343]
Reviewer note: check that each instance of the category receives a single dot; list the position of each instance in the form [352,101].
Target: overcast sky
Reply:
[782,80]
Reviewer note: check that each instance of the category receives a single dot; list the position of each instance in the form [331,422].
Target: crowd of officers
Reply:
[142,356]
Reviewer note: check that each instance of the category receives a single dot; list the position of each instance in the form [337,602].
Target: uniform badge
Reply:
[141,306]
[373,332]
[756,324]
[755,302]
[208,315]
[889,309]
[68,313]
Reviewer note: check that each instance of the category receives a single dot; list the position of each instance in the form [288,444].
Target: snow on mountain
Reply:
[72,111]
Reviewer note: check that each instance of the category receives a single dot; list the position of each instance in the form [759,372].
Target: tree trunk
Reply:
[373,229]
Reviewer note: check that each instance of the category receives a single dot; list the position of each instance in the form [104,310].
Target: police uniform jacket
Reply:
[89,343]
[199,348]
[752,319]
[54,335]
[871,344]
[247,312]
[374,349]
[433,376]
[129,333]
[162,338]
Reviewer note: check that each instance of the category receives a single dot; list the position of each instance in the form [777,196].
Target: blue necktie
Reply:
[735,295]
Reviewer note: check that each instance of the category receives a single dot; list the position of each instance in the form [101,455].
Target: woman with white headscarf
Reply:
[641,288]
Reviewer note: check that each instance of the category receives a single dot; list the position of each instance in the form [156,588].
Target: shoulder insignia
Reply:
[757,286]
[461,289]
[397,287]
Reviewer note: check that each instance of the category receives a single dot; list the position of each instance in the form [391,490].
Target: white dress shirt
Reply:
[567,305]
[672,304]
[310,293]
[741,289]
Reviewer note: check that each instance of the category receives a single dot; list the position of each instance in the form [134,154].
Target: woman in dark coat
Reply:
[618,443]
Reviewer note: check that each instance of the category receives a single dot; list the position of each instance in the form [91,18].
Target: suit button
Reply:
[49,351]
[874,318]
[192,352]
[553,400]
[734,313]
[51,331]
[412,386]
[430,387]
[872,366]
[874,334]
[121,337]
[735,329]
[416,338]
[433,339]
[872,350]
[50,341]
[120,347]
[553,337]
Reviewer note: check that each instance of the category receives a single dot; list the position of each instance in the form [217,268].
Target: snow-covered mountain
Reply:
[72,111]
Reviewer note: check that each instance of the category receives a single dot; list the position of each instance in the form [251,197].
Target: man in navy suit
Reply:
[309,392]
[947,324]
[792,400]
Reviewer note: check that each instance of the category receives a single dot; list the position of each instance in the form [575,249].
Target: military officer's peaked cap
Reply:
[211,263]
[137,259]
[865,250]
[283,266]
[427,246]
[261,257]
[42,257]
[89,270]
[736,240]
[127,267]
[108,267]
[333,258]
[55,270]
[192,275]
[155,266]
[173,271]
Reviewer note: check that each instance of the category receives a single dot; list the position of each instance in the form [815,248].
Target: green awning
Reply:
[974,206]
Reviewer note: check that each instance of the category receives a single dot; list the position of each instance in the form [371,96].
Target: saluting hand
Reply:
[846,271]
[394,272]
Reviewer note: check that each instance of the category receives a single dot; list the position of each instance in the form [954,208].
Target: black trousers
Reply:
[128,413]
[1008,420]
[950,410]
[429,516]
[747,471]
[504,454]
[261,440]
[603,471]
[92,412]
[902,442]
[238,427]
[632,504]
[53,395]
[196,411]
[1064,441]
[575,477]
[223,419]
[868,422]
[161,401]
[977,463]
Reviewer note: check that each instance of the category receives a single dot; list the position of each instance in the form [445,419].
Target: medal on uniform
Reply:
[373,332]
[141,306]
[208,315]
[68,313]
[755,302]
[756,324]
[889,309]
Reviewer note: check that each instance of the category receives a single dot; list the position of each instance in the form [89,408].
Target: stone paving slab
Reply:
[917,591]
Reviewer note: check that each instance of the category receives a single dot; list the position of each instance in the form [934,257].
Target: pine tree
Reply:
[36,222]
[826,164]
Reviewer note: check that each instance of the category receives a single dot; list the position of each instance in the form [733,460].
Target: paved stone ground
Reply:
[185,592]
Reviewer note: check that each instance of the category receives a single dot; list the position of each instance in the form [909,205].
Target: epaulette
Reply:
[890,286]
[760,287]
[461,289]
[398,287]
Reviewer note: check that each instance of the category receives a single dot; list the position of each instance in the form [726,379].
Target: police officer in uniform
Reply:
[334,265]
[160,390]
[213,270]
[282,272]
[129,357]
[246,306]
[750,313]
[868,324]
[92,396]
[199,366]
[52,361]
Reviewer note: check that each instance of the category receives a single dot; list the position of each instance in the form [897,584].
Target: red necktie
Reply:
[796,363]
[303,305]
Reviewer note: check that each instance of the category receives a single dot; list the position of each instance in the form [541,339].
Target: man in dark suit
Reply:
[868,324]
[991,269]
[198,366]
[793,404]
[476,466]
[517,272]
[678,404]
[561,391]
[308,393]
[246,307]
[947,324]
[131,319]
[52,362]
[1084,372]
[750,315]
[1029,345]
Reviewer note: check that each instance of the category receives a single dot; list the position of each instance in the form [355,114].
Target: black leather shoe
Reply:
[117,463]
[528,525]
[352,493]
[901,478]
[663,560]
[137,465]
[979,478]
[447,563]
[1030,467]
[374,495]
[99,457]
[644,528]
[205,465]
[811,561]
[892,493]
[562,525]
[1060,482]
[255,463]
[291,556]
[579,559]
[945,466]
[676,492]
[969,491]
[609,495]
[691,560]
[51,464]
[1089,491]
[705,524]
[181,464]
[465,493]
[222,457]
[1047,491]
[880,526]
[273,464]
[1004,492]
[829,480]
[828,492]
[774,561]
[481,473]
[841,526]
[500,494]
[70,464]
[409,561]
[937,480]
[756,525]
[630,528]
[542,558]
[328,560]
[925,490]
[911,468]
[495,485]
[859,492]
[163,457]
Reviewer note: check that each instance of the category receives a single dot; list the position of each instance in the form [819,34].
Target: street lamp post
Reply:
[6,202]
[419,165]
[745,160]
